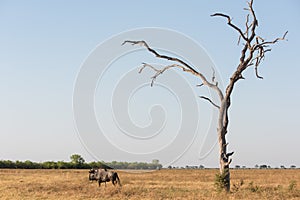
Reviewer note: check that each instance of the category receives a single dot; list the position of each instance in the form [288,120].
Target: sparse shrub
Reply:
[220,183]
[279,187]
[252,187]
[292,185]
[237,186]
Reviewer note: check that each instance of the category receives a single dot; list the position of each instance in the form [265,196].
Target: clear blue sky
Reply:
[44,43]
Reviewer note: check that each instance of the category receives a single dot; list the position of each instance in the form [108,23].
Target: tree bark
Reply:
[224,156]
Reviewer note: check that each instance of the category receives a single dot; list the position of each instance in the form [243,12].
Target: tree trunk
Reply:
[224,156]
[224,165]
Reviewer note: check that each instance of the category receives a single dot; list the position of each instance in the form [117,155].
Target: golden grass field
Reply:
[161,184]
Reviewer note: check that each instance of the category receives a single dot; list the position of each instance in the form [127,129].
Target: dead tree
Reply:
[254,48]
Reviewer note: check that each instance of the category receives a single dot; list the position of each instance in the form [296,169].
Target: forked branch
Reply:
[265,44]
[261,47]
[255,46]
[230,24]
[161,71]
[143,43]
[182,65]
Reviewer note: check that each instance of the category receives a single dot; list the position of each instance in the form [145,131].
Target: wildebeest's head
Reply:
[93,174]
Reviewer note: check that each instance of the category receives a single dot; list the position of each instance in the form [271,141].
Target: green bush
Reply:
[220,183]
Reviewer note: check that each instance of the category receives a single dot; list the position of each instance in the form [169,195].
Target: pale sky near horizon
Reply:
[44,43]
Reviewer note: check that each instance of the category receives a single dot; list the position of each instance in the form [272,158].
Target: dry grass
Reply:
[162,184]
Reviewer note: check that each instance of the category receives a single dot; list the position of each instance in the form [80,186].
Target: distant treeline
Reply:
[69,165]
[77,162]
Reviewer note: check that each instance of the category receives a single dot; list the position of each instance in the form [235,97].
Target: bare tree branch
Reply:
[259,47]
[230,24]
[228,163]
[256,73]
[184,66]
[264,43]
[143,43]
[213,78]
[252,53]
[209,100]
[147,65]
[254,22]
[161,71]
[229,154]
[247,26]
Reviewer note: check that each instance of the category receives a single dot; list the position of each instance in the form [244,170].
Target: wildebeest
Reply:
[102,175]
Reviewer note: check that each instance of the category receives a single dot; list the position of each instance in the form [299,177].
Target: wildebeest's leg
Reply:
[99,182]
[118,180]
[115,179]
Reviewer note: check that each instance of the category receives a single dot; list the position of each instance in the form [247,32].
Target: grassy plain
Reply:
[161,184]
